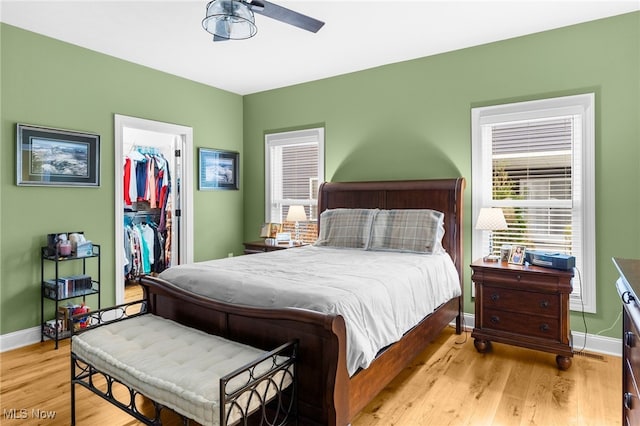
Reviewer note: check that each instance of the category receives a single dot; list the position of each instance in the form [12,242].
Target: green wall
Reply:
[412,120]
[402,121]
[51,83]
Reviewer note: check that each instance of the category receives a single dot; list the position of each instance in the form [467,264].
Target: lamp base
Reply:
[491,258]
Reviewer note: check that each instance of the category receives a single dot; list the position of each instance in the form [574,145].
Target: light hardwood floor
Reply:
[448,384]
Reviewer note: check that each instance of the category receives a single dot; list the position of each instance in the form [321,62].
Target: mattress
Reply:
[381,295]
[177,366]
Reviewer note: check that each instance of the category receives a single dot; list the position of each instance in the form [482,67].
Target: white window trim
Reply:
[577,104]
[295,137]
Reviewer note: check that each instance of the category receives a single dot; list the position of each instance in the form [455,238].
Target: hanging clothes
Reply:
[146,187]
[130,177]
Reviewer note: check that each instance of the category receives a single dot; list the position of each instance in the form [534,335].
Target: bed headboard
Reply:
[444,195]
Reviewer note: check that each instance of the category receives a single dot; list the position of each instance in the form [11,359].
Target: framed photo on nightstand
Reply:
[270,230]
[516,256]
[264,230]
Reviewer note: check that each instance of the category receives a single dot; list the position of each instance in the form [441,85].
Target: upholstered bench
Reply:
[200,376]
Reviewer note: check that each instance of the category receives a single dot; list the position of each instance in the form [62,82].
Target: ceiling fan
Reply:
[234,19]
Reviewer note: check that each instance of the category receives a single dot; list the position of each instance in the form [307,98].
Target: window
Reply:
[535,160]
[294,167]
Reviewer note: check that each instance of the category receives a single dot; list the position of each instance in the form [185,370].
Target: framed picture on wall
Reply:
[56,157]
[218,169]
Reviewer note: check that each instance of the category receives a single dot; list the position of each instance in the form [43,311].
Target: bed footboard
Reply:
[323,382]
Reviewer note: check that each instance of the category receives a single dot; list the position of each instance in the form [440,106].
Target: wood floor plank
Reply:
[514,395]
[450,383]
[596,410]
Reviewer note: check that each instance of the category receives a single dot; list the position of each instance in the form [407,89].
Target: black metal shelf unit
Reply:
[52,290]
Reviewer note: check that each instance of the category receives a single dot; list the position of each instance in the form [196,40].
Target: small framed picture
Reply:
[218,169]
[505,251]
[270,230]
[264,230]
[516,256]
[274,229]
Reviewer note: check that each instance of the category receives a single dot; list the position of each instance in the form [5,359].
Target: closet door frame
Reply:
[186,189]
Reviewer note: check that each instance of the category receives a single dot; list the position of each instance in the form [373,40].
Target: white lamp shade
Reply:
[491,219]
[296,214]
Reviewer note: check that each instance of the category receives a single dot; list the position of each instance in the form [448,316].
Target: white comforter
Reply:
[380,295]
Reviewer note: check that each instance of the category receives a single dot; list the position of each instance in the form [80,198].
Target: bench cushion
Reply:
[172,364]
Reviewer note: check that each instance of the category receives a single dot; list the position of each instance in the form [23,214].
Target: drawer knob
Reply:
[518,277]
[627,399]
[629,339]
[495,297]
[544,328]
[494,319]
[544,304]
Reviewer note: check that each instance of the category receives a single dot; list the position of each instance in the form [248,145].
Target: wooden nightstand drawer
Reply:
[520,323]
[254,247]
[521,301]
[253,250]
[520,279]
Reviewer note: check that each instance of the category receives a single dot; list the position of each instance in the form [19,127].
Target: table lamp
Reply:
[296,214]
[491,219]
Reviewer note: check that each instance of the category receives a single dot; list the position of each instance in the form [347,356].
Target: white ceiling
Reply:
[358,34]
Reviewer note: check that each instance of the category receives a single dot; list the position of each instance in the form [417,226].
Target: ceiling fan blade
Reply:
[255,5]
[285,15]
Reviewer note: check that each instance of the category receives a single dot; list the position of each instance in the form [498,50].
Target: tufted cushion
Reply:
[174,365]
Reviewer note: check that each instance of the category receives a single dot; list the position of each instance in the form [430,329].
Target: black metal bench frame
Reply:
[276,410]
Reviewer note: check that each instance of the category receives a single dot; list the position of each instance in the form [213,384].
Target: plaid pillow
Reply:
[345,228]
[414,231]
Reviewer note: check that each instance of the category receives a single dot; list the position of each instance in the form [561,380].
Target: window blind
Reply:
[532,179]
[294,170]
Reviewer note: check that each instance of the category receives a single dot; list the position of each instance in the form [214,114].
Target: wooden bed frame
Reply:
[327,395]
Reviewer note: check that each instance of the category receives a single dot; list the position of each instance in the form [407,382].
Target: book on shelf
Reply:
[67,286]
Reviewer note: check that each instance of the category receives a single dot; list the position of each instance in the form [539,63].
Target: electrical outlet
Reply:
[229,254]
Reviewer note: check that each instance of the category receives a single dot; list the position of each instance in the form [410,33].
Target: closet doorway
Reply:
[153,198]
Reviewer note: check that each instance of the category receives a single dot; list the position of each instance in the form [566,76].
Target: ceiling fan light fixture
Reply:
[229,19]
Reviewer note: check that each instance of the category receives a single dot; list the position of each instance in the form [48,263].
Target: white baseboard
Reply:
[19,338]
[594,343]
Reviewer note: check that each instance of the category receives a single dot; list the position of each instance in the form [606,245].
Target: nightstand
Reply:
[525,306]
[261,246]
